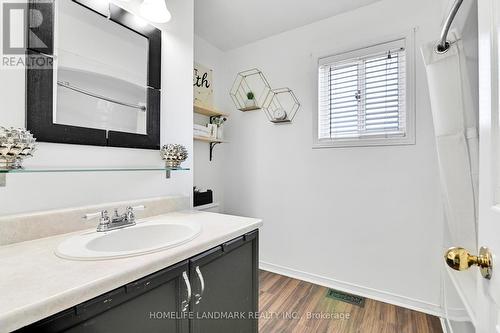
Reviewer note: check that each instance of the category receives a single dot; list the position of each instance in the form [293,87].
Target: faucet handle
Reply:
[131,210]
[103,215]
[104,220]
[136,208]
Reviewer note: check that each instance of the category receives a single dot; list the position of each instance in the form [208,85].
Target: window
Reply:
[363,97]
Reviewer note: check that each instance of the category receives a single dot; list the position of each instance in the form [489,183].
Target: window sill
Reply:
[404,141]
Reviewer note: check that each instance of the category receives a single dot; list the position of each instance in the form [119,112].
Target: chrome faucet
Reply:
[118,221]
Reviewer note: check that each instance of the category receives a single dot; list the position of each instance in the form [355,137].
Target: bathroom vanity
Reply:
[208,284]
[220,282]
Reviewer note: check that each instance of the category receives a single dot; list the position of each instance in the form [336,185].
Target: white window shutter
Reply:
[363,97]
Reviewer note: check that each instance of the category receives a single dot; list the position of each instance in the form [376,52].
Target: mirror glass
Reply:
[101,72]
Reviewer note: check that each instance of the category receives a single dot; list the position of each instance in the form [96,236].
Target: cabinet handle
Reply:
[185,303]
[202,285]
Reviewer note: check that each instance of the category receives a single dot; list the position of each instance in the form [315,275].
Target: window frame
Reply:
[409,138]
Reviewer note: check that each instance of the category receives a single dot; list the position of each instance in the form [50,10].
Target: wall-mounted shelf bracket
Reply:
[3,179]
[211,141]
[212,146]
[167,174]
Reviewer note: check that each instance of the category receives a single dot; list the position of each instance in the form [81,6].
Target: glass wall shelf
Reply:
[39,169]
[89,169]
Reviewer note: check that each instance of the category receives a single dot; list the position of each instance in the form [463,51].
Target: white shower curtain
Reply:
[455,125]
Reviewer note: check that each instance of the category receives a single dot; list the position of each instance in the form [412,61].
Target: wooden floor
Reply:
[289,305]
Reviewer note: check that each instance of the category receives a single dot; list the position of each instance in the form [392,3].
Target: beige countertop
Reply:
[35,283]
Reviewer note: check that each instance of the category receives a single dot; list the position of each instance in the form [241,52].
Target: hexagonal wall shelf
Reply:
[251,83]
[281,105]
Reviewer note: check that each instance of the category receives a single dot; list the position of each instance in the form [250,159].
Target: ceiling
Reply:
[229,24]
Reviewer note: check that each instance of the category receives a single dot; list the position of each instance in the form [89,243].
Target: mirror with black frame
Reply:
[103,87]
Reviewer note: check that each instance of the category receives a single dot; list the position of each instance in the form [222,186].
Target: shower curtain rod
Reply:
[443,45]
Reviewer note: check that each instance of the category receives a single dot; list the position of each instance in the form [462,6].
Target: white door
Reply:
[487,309]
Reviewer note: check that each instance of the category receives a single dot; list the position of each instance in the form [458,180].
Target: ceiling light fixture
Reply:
[155,11]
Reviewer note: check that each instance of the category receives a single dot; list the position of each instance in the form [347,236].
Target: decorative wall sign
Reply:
[203,86]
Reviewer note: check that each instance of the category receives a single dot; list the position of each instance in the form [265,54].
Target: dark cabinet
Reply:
[229,300]
[216,291]
[146,305]
[157,302]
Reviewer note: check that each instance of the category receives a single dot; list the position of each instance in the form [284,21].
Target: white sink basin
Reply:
[140,239]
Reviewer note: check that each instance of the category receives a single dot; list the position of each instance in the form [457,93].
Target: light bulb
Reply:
[140,21]
[155,11]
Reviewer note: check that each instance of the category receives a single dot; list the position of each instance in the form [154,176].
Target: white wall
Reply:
[209,174]
[367,219]
[31,192]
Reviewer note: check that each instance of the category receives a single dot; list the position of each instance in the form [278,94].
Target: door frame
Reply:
[488,291]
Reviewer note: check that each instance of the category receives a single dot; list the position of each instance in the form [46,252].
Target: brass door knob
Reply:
[460,259]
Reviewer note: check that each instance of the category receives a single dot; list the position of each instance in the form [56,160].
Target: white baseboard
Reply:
[457,314]
[457,326]
[444,326]
[382,296]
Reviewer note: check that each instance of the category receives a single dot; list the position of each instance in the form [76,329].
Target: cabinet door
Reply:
[229,301]
[152,304]
[156,306]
